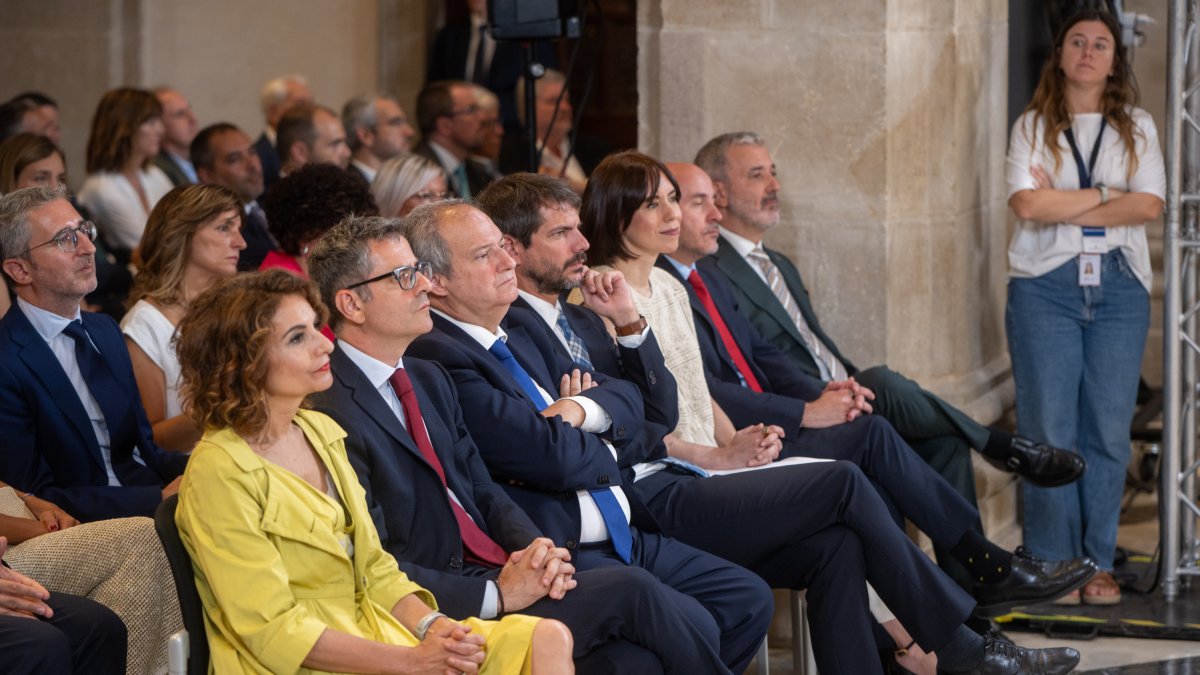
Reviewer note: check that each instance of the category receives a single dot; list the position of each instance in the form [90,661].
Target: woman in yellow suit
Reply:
[288,563]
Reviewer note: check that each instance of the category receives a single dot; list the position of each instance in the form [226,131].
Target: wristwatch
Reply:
[632,328]
[1103,192]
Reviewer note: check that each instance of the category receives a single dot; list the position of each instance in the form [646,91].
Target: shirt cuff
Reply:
[634,341]
[595,419]
[491,600]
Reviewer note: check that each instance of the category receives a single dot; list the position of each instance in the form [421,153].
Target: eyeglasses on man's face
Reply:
[405,275]
[67,239]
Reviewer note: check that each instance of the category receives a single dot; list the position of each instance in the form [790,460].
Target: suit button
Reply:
[455,562]
[652,377]
[619,432]
[572,544]
[603,480]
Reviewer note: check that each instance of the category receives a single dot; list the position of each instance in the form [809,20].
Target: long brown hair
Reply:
[167,242]
[1049,104]
[115,123]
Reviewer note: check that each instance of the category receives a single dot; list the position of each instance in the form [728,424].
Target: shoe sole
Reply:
[1001,608]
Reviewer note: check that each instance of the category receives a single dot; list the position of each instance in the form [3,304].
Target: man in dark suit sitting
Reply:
[771,293]
[74,431]
[451,131]
[845,534]
[553,442]
[420,491]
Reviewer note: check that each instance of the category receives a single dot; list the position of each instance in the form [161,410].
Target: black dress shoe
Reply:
[1043,465]
[1005,658]
[1031,581]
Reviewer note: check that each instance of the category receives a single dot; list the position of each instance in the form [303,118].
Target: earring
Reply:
[304,250]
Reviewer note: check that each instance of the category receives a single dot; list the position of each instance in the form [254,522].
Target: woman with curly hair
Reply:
[192,241]
[123,184]
[1084,175]
[303,205]
[287,561]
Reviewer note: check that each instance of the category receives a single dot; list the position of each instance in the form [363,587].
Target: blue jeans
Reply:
[1076,358]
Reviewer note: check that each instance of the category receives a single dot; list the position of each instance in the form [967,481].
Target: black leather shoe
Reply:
[1031,581]
[1005,658]
[1043,465]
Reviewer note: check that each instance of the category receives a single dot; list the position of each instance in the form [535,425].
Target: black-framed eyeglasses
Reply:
[405,275]
[67,239]
[433,196]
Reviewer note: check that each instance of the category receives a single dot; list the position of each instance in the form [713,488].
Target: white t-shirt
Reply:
[153,332]
[114,204]
[1038,248]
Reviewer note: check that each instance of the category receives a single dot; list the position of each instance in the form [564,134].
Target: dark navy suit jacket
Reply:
[540,461]
[786,387]
[404,493]
[269,158]
[47,444]
[643,366]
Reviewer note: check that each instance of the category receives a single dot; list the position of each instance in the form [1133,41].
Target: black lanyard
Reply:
[1085,172]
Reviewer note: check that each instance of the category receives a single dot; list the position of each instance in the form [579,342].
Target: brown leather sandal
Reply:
[1099,591]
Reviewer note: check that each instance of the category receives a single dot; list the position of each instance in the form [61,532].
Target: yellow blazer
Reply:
[273,564]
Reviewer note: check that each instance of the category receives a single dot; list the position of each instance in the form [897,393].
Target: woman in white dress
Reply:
[192,241]
[123,184]
[630,215]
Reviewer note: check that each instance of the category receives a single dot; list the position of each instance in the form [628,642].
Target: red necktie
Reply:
[726,337]
[478,547]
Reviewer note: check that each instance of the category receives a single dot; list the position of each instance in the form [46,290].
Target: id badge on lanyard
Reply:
[1094,240]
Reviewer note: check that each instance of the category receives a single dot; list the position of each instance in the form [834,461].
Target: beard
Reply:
[554,280]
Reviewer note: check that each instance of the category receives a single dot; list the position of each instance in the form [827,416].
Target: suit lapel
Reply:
[756,290]
[529,358]
[700,313]
[488,362]
[367,398]
[36,355]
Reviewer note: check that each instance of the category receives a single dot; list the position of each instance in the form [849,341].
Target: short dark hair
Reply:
[514,202]
[200,151]
[434,101]
[297,126]
[36,97]
[342,257]
[302,205]
[615,191]
[12,117]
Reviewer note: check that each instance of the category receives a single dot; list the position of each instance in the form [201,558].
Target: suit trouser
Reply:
[82,637]
[625,620]
[939,433]
[730,605]
[910,487]
[822,527]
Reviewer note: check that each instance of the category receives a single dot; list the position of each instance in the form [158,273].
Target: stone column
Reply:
[886,119]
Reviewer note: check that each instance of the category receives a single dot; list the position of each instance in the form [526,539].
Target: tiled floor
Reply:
[1101,656]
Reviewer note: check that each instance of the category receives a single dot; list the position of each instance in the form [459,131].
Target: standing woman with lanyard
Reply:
[1085,173]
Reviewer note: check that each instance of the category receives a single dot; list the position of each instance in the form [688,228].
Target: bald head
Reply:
[698,227]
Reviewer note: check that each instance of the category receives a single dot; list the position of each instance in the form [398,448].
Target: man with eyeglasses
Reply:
[376,130]
[74,431]
[438,512]
[452,130]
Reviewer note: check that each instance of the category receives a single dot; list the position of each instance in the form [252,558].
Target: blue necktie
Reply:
[606,501]
[114,403]
[460,181]
[579,353]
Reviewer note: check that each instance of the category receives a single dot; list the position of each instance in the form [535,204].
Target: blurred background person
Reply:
[406,182]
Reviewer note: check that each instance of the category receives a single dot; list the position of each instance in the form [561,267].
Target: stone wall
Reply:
[886,119]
